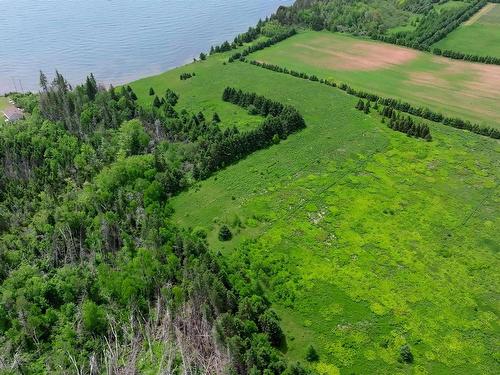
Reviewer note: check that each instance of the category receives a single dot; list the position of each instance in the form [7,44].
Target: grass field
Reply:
[4,102]
[364,239]
[478,36]
[455,88]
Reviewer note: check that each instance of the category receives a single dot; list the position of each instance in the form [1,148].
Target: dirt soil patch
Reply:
[360,55]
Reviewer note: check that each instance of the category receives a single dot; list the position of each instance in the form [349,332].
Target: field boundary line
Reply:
[482,12]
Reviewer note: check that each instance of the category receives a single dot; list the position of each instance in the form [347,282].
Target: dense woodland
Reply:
[94,277]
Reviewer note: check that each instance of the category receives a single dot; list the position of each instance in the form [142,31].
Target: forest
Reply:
[90,261]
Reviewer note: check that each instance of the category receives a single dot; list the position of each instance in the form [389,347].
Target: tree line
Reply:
[406,124]
[423,112]
[397,122]
[261,45]
[186,76]
[466,56]
[249,36]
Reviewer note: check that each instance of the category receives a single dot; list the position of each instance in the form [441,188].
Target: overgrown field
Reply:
[365,240]
[478,36]
[455,88]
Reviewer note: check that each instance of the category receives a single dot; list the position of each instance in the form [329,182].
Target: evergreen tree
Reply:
[405,354]
[225,233]
[367,107]
[151,91]
[156,102]
[216,118]
[311,354]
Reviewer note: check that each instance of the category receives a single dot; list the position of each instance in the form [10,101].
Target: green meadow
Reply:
[455,88]
[365,240]
[479,36]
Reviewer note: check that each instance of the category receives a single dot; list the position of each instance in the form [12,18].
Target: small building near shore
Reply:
[12,114]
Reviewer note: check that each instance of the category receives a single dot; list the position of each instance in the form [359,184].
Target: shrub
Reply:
[312,354]
[405,354]
[225,233]
[93,317]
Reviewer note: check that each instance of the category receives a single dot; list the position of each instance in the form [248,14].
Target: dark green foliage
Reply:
[85,108]
[406,125]
[405,354]
[467,57]
[247,37]
[151,91]
[225,233]
[215,118]
[268,322]
[261,45]
[156,102]
[203,56]
[171,97]
[311,354]
[186,76]
[367,107]
[296,369]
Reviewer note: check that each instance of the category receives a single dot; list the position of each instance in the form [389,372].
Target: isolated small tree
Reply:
[203,56]
[311,354]
[405,354]
[156,102]
[151,91]
[225,233]
[216,118]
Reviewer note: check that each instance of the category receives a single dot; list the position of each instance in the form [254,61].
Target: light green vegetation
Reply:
[450,5]
[409,26]
[455,88]
[478,36]
[364,239]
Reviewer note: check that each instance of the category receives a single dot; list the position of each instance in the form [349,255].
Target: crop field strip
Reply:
[480,35]
[459,89]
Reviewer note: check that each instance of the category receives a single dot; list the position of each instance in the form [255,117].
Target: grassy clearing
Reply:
[364,238]
[450,5]
[455,88]
[480,37]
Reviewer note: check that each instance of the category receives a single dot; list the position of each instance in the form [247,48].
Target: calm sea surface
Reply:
[117,40]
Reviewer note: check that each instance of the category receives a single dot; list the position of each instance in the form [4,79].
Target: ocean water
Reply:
[117,40]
